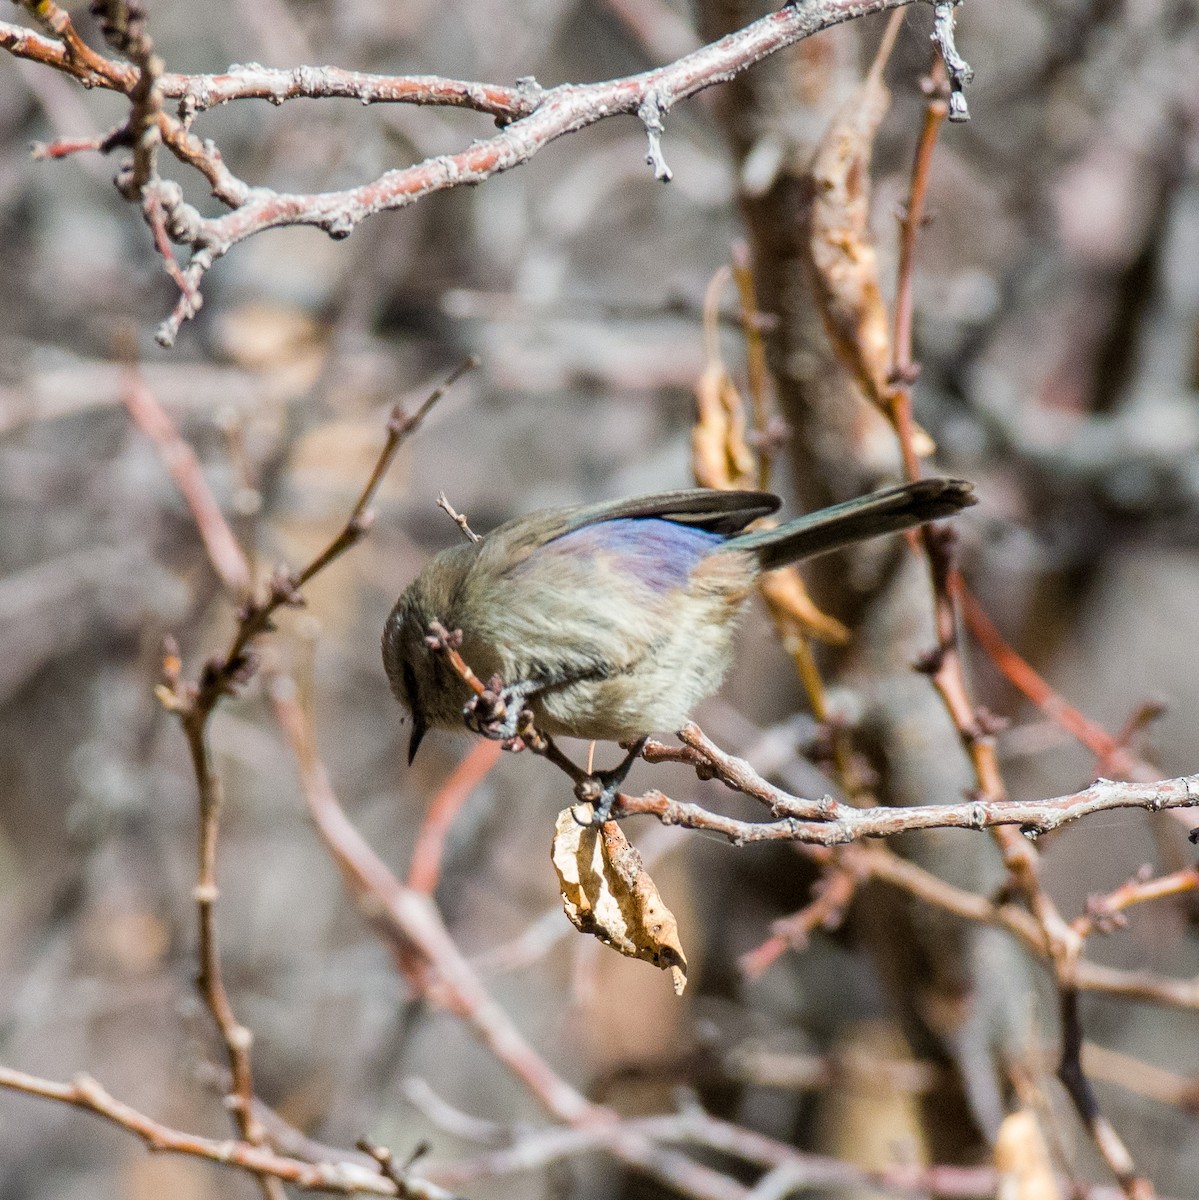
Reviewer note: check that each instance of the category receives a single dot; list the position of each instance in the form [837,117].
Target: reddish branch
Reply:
[180,459]
[1106,913]
[410,923]
[826,910]
[194,702]
[425,869]
[1062,944]
[1113,756]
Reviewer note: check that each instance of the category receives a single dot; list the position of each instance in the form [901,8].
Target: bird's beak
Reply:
[419,728]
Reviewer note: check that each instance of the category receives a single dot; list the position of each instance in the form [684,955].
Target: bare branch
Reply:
[342,1178]
[533,118]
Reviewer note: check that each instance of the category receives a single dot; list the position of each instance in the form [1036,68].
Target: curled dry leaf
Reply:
[1022,1160]
[721,458]
[843,257]
[789,602]
[606,891]
[720,455]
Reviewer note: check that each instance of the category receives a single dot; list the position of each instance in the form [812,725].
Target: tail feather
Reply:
[856,520]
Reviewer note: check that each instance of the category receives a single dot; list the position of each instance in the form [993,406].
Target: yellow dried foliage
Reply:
[843,258]
[788,601]
[720,456]
[606,891]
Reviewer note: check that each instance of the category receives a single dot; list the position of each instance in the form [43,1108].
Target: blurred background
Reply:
[1057,324]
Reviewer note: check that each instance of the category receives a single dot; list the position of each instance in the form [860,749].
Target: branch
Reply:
[848,824]
[411,924]
[824,822]
[534,117]
[343,1178]
[224,552]
[194,702]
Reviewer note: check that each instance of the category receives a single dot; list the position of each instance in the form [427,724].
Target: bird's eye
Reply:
[410,688]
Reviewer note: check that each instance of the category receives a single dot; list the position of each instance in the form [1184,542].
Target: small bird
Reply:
[611,621]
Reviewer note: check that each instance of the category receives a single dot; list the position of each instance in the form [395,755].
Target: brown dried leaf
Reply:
[844,260]
[1022,1160]
[606,891]
[720,456]
[788,599]
[842,251]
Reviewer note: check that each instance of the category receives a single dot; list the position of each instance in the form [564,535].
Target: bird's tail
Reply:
[856,520]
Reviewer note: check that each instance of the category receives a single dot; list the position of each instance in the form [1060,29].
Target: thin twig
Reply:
[194,702]
[458,518]
[180,459]
[342,1178]
[425,868]
[1113,756]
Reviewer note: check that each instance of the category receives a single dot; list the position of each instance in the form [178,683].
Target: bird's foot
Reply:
[497,711]
[601,788]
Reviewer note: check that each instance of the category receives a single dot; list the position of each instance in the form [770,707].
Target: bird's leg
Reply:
[600,789]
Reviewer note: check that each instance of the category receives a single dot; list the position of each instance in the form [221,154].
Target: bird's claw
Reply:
[498,711]
[602,788]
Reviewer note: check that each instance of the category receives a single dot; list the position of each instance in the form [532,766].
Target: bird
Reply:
[612,621]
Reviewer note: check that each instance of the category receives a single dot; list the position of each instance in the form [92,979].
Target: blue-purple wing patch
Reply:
[657,554]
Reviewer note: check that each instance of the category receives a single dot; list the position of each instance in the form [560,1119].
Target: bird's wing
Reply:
[721,512]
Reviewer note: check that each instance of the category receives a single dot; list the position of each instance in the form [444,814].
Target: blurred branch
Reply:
[695,1127]
[180,460]
[194,703]
[1112,754]
[410,923]
[1062,943]
[343,1178]
[425,868]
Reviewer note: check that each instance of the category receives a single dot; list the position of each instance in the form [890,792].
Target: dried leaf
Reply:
[842,251]
[606,891]
[720,456]
[1022,1160]
[788,599]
